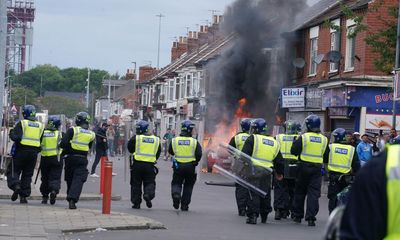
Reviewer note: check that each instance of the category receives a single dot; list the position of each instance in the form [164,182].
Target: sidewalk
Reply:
[51,222]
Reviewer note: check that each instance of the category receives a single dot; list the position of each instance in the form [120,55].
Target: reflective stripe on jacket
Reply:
[340,158]
[81,139]
[31,133]
[286,142]
[314,146]
[184,149]
[146,148]
[265,150]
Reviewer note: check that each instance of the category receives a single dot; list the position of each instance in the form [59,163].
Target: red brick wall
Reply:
[178,49]
[362,67]
[146,72]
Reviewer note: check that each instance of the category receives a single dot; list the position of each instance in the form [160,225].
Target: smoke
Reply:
[255,65]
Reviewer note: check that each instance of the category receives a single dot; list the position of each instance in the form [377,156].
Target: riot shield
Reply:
[332,229]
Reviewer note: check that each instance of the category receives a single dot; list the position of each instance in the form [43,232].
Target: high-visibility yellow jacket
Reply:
[81,139]
[340,158]
[31,133]
[286,141]
[240,139]
[184,149]
[314,146]
[265,150]
[146,148]
[393,192]
[50,143]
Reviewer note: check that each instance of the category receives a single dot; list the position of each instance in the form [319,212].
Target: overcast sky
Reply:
[110,35]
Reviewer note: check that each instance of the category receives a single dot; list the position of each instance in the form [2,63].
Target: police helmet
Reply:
[313,123]
[142,127]
[82,119]
[339,135]
[29,112]
[54,122]
[259,126]
[245,124]
[292,127]
[187,127]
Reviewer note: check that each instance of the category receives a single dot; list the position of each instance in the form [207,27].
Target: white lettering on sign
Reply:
[268,142]
[288,138]
[184,142]
[341,151]
[33,124]
[292,97]
[315,139]
[49,134]
[148,140]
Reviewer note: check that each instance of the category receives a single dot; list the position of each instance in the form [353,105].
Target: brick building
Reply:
[338,75]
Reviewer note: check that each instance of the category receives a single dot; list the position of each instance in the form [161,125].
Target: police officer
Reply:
[101,147]
[311,147]
[76,144]
[342,160]
[284,189]
[373,209]
[264,151]
[146,149]
[237,142]
[26,134]
[187,153]
[50,164]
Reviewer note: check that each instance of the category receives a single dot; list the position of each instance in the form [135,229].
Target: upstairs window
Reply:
[335,43]
[313,50]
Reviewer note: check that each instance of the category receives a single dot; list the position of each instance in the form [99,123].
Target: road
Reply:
[212,213]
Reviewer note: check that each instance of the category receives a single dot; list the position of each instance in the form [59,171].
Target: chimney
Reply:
[179,48]
[193,42]
[146,72]
[130,74]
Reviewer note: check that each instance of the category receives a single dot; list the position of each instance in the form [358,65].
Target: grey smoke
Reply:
[244,69]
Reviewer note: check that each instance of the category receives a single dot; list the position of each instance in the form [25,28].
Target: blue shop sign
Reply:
[371,97]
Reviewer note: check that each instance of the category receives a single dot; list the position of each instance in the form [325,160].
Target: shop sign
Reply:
[292,97]
[380,121]
[335,97]
[314,98]
[371,97]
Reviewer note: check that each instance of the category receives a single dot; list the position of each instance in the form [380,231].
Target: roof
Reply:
[326,9]
[114,82]
[203,53]
[125,90]
[71,95]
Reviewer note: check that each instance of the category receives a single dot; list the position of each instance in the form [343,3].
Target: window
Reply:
[182,88]
[144,97]
[202,84]
[171,91]
[189,85]
[335,39]
[177,88]
[350,49]
[195,84]
[313,55]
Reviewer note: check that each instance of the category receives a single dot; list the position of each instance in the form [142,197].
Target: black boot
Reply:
[53,196]
[45,199]
[185,208]
[71,204]
[297,219]
[311,223]
[251,220]
[242,212]
[278,214]
[176,201]
[264,218]
[136,206]
[23,200]
[148,201]
[14,196]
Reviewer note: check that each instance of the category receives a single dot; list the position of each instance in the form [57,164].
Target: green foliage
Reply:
[60,105]
[22,95]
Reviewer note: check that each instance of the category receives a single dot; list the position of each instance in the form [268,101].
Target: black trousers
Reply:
[50,169]
[335,186]
[183,180]
[20,171]
[308,183]
[142,174]
[76,174]
[283,194]
[257,205]
[99,153]
[242,196]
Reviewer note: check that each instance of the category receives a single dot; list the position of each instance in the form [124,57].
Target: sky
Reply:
[110,35]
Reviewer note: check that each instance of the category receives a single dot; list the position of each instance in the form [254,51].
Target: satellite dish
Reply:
[318,59]
[334,56]
[299,62]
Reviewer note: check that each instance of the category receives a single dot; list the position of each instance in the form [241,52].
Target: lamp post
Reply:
[397,66]
[160,16]
[87,90]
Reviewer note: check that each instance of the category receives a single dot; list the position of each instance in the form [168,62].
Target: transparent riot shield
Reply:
[332,229]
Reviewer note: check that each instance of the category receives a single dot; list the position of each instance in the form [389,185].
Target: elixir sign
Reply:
[293,97]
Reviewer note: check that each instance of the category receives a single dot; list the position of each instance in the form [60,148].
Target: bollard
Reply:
[102,160]
[107,187]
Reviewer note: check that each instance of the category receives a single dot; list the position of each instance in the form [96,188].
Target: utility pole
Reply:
[160,16]
[41,85]
[87,90]
[3,38]
[397,66]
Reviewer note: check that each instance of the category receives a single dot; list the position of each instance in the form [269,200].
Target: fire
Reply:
[227,128]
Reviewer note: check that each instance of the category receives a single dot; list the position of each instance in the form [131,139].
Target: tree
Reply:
[22,95]
[60,105]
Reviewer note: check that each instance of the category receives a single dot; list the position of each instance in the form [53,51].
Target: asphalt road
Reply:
[212,213]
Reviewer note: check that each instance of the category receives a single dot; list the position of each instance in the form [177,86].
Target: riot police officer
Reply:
[342,161]
[187,153]
[237,142]
[146,149]
[50,164]
[76,144]
[264,151]
[311,147]
[26,134]
[284,189]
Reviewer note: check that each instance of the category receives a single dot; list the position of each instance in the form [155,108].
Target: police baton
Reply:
[37,174]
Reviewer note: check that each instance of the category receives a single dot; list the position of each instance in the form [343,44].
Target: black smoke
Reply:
[255,65]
